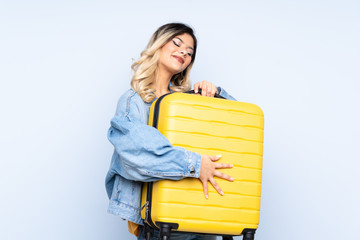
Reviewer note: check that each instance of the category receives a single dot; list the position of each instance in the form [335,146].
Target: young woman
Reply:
[141,152]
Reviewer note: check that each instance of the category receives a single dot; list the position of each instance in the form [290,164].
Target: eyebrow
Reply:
[183,42]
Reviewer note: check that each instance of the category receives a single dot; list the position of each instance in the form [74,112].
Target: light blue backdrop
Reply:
[64,64]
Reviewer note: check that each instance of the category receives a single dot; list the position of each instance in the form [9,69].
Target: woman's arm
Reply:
[141,152]
[144,154]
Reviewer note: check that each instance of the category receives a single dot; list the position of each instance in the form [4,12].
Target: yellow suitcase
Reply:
[209,126]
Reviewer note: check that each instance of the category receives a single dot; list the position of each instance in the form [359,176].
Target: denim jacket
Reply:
[142,154]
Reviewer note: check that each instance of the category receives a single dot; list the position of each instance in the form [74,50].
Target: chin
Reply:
[176,70]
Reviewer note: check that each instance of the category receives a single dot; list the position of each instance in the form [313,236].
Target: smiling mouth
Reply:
[179,59]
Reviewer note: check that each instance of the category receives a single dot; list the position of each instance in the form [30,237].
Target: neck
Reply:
[161,84]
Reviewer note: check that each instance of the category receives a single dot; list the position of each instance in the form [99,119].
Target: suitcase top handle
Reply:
[199,91]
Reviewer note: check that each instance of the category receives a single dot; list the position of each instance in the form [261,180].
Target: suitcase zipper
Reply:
[146,206]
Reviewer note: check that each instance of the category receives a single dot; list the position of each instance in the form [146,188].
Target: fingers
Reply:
[223,165]
[216,186]
[196,87]
[207,88]
[209,170]
[204,89]
[213,91]
[223,176]
[205,186]
[215,158]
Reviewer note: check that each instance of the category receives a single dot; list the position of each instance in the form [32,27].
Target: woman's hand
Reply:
[208,171]
[207,88]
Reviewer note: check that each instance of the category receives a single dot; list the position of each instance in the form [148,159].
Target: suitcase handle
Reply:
[199,91]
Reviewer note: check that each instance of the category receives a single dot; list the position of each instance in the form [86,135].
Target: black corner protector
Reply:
[248,234]
[227,237]
[168,225]
[248,230]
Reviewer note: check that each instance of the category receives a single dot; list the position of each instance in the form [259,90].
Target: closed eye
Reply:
[177,44]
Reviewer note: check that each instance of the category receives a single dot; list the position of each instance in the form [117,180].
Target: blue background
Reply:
[64,64]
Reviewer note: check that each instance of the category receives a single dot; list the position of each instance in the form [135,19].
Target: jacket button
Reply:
[192,171]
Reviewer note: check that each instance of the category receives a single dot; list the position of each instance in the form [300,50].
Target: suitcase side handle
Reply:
[199,91]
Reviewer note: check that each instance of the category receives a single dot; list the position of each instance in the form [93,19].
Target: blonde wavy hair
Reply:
[146,68]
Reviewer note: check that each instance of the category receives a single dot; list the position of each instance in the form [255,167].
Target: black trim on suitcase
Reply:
[150,184]
[157,109]
[199,91]
[148,210]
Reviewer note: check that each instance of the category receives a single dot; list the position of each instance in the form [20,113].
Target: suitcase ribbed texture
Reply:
[211,126]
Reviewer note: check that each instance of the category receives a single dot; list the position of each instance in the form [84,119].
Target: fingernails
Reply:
[218,156]
[231,165]
[232,179]
[206,196]
[222,193]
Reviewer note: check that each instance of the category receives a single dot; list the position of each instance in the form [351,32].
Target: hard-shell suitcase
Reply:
[209,126]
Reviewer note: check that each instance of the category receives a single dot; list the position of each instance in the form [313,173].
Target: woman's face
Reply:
[175,56]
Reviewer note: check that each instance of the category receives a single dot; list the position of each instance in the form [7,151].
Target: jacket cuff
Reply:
[219,90]
[224,94]
[193,164]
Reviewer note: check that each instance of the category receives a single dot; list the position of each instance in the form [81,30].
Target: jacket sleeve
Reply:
[224,94]
[142,153]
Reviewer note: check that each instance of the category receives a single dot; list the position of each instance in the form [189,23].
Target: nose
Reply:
[183,52]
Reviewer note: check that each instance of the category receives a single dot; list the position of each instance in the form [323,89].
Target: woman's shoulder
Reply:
[129,101]
[130,95]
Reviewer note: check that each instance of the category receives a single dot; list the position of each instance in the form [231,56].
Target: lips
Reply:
[180,59]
